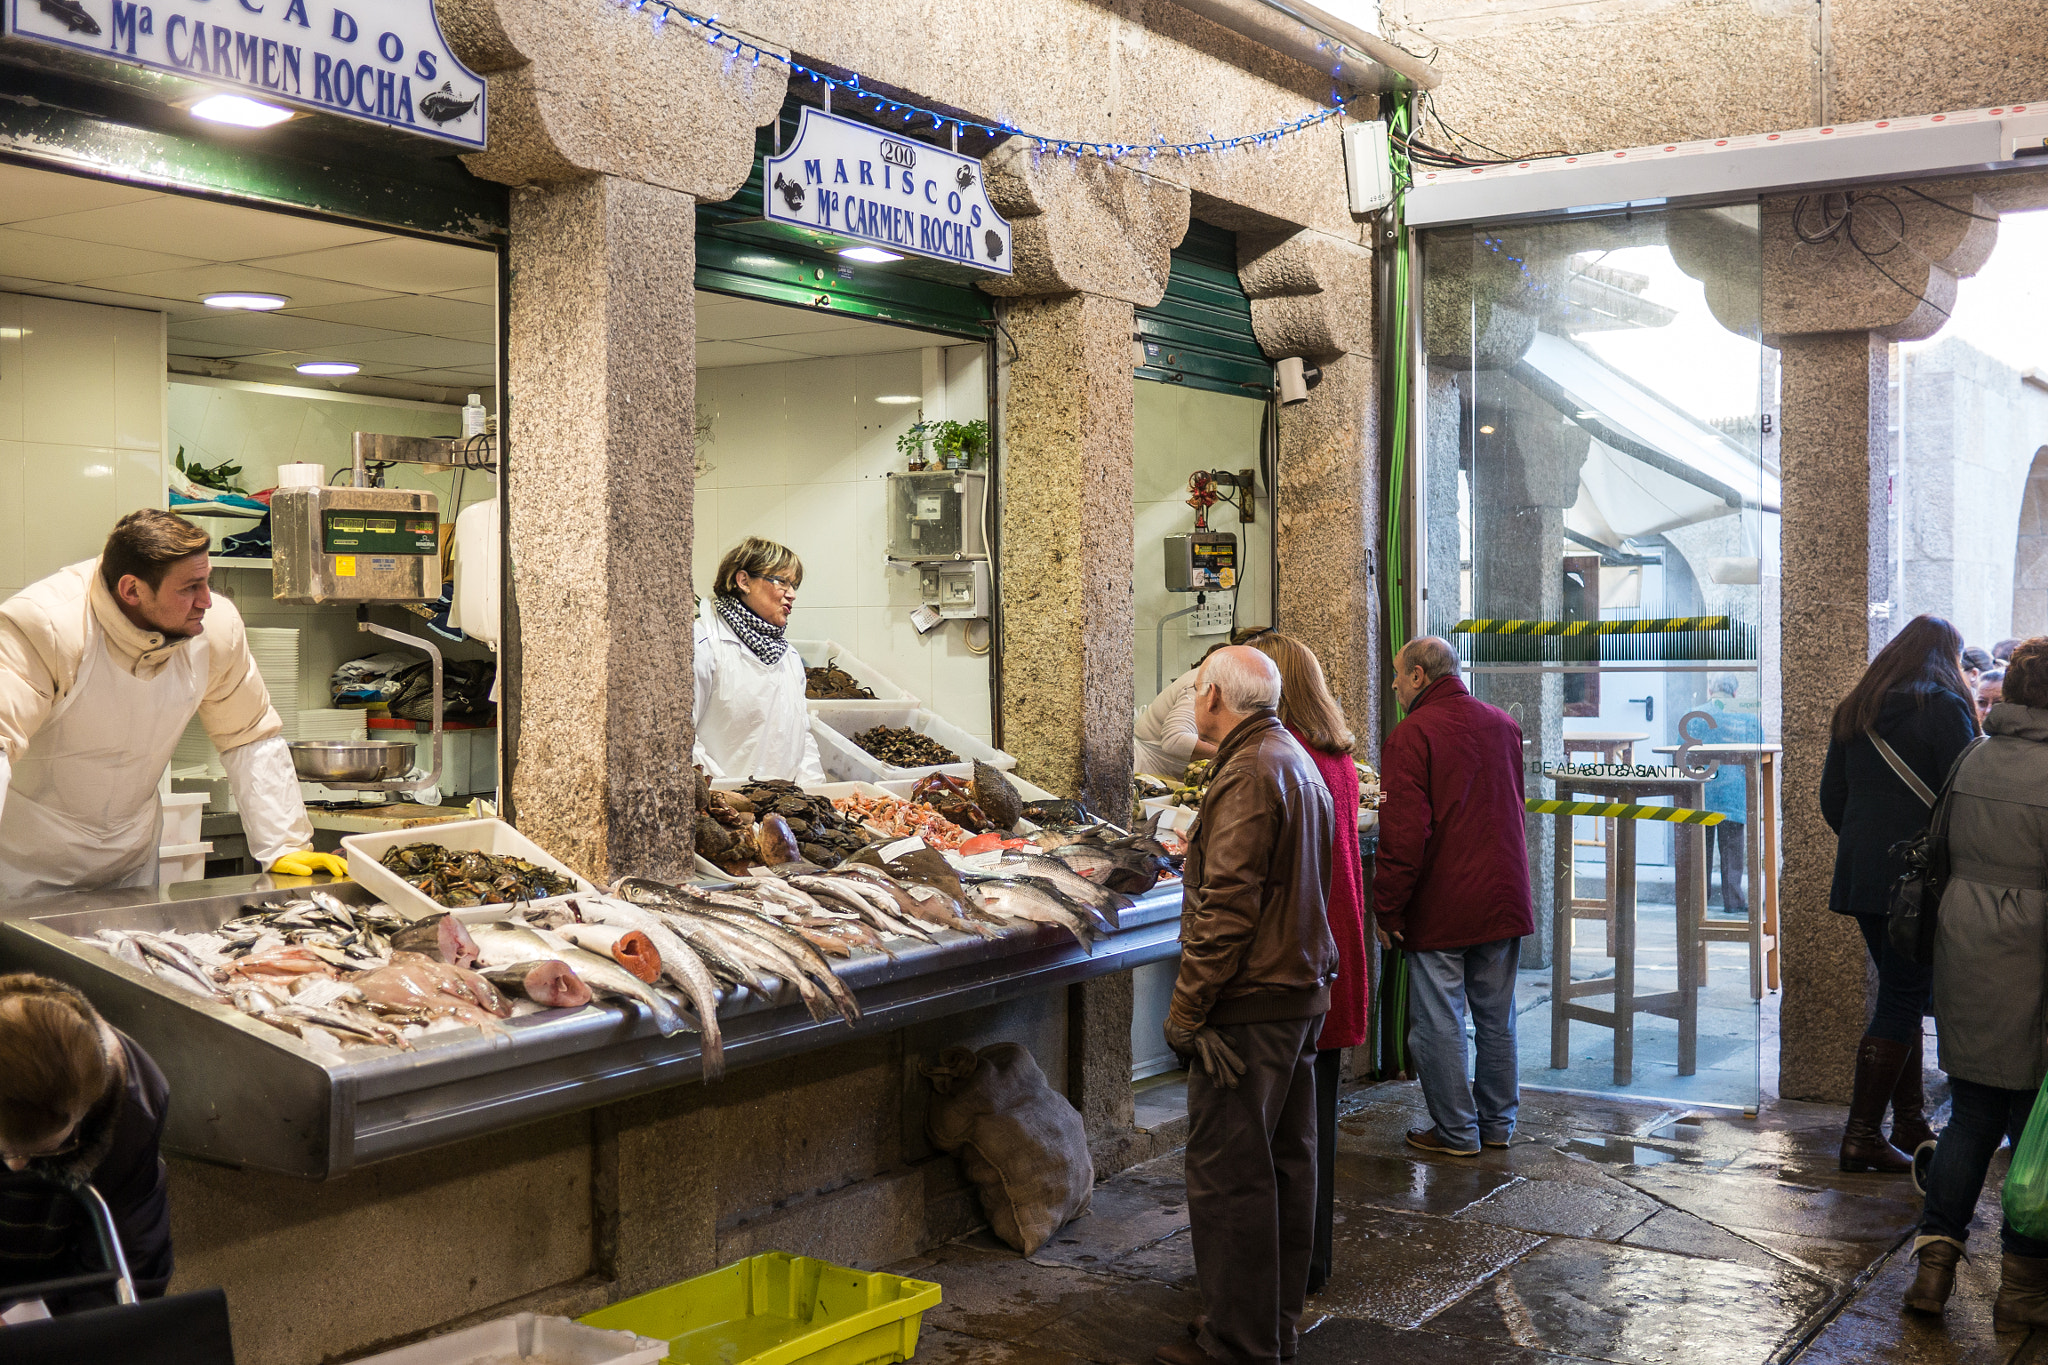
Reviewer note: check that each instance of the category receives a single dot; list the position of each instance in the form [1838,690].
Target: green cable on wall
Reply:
[1395,540]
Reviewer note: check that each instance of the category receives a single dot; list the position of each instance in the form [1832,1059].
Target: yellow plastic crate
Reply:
[779,1309]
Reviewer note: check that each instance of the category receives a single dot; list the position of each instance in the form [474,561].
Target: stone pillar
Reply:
[1835,566]
[1099,1052]
[1067,549]
[599,484]
[1831,314]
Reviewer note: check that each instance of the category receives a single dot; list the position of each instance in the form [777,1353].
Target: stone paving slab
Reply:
[1404,1269]
[1562,1210]
[1643,1307]
[1145,1204]
[1123,1323]
[1344,1342]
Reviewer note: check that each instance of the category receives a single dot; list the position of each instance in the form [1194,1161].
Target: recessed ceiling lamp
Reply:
[239,110]
[894,399]
[248,303]
[1486,431]
[872,254]
[328,367]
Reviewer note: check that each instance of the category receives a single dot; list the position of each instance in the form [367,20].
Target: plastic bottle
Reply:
[473,417]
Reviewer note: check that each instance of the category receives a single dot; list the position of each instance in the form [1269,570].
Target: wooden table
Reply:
[1611,746]
[1689,858]
[1760,854]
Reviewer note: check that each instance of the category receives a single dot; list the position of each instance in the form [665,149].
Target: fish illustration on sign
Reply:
[995,244]
[72,13]
[792,193]
[963,177]
[442,106]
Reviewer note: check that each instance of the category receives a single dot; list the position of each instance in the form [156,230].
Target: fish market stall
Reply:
[273,1079]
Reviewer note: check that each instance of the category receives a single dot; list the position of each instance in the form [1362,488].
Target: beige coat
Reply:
[42,640]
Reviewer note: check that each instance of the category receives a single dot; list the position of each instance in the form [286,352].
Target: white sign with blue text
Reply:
[379,61]
[854,181]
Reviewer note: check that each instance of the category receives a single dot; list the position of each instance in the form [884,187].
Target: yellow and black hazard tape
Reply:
[1655,625]
[1616,810]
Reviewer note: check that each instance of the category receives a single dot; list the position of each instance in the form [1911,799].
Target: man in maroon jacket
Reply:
[1451,887]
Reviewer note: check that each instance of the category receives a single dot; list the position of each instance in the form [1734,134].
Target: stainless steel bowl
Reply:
[350,760]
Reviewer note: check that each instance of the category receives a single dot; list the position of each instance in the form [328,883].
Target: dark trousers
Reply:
[1329,1068]
[1984,1117]
[1251,1179]
[1905,989]
[1731,838]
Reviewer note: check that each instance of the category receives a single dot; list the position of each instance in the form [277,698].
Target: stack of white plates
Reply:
[196,751]
[332,723]
[276,651]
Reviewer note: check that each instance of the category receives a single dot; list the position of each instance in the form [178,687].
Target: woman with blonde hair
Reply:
[1312,715]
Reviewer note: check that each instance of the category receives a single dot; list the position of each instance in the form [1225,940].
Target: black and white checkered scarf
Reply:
[764,640]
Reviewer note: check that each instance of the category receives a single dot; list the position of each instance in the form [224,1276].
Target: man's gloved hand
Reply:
[306,862]
[1205,1045]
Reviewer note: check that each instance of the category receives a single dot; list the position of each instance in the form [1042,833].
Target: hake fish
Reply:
[1106,903]
[1023,898]
[504,943]
[679,963]
[629,948]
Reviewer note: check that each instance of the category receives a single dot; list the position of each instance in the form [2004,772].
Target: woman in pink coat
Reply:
[1312,715]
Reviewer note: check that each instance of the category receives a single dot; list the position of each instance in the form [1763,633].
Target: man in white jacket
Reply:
[102,665]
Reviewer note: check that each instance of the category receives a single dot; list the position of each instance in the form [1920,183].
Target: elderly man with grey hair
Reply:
[1256,965]
[1451,888]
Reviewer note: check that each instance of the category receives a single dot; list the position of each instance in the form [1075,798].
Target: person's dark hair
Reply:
[2002,651]
[1925,655]
[1978,659]
[53,1066]
[2026,677]
[755,558]
[146,544]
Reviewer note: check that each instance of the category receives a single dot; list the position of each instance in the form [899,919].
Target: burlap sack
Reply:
[1022,1143]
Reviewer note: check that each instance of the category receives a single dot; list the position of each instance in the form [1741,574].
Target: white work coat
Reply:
[751,717]
[1165,731]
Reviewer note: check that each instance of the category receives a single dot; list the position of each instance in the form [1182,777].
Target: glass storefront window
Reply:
[1597,520]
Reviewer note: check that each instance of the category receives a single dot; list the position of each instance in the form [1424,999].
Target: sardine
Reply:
[504,943]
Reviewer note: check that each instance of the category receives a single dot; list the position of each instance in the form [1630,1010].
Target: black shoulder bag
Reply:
[1916,895]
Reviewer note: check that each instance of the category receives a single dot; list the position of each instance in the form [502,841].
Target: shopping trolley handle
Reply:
[111,1254]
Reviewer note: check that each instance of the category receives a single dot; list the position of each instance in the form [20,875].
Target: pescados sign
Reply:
[860,182]
[378,61]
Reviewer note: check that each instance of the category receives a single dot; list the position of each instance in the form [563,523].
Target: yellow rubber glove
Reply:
[306,862]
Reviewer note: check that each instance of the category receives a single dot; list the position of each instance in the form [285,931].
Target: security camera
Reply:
[1294,379]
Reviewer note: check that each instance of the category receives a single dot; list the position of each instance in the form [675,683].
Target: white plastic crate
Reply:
[181,863]
[484,836]
[182,812]
[528,1337]
[835,724]
[817,653]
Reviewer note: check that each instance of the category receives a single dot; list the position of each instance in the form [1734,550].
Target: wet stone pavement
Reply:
[1609,1231]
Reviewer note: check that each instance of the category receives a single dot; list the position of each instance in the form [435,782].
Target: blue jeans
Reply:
[1905,989]
[1440,987]
[1984,1117]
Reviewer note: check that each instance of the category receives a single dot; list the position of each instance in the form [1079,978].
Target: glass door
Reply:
[1596,522]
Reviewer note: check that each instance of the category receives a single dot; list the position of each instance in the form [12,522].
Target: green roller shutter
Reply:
[1200,333]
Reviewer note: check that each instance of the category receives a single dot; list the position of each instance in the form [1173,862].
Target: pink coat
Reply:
[1344,1025]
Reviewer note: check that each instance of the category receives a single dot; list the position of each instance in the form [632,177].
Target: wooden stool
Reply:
[1613,747]
[1689,861]
[1760,856]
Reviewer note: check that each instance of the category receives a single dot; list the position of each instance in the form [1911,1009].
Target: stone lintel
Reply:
[1082,225]
[1890,268]
[600,494]
[1835,566]
[1312,295]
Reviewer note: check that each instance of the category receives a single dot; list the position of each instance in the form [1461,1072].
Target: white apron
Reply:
[82,811]
[755,722]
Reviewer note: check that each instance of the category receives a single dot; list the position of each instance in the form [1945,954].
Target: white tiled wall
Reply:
[1179,431]
[797,453]
[81,429]
[262,428]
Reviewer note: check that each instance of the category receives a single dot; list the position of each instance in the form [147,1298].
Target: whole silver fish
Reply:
[504,943]
[1022,899]
[1069,883]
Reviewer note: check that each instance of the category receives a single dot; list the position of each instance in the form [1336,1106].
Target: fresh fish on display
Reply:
[1027,899]
[870,903]
[415,982]
[282,962]
[629,948]
[442,936]
[679,963]
[1128,870]
[751,938]
[549,982]
[1066,880]
[505,943]
[162,958]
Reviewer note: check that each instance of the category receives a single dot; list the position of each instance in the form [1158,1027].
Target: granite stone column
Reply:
[1067,548]
[599,482]
[1836,565]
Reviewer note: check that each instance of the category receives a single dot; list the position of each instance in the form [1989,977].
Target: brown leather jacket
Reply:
[1254,938]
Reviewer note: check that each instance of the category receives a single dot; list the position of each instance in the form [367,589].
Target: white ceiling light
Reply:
[248,303]
[328,367]
[894,399]
[873,254]
[239,110]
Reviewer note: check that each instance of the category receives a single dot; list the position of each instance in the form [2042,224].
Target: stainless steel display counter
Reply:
[246,1094]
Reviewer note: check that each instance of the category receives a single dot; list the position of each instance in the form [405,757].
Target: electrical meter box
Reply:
[938,514]
[1201,561]
[354,545]
[956,591]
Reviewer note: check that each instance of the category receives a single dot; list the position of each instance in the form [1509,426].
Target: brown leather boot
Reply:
[2022,1293]
[1909,1104]
[1878,1063]
[1937,1277]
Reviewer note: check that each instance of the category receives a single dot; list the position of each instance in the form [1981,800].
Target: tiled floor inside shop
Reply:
[1610,1231]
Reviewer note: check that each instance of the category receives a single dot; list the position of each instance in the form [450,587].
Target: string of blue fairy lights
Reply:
[850,87]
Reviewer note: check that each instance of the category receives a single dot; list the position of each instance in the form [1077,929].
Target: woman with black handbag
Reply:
[1991,988]
[1894,738]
